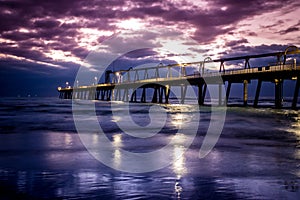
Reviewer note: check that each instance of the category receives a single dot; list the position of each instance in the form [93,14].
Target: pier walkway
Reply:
[134,84]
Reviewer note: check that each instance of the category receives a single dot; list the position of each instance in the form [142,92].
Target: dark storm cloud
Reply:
[242,50]
[236,42]
[277,23]
[251,34]
[289,30]
[140,53]
[46,23]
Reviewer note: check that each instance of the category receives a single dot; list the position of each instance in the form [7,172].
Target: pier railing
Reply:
[161,77]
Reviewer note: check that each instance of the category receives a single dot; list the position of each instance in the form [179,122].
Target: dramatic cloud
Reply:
[47,38]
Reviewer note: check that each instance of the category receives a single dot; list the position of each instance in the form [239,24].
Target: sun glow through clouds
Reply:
[130,24]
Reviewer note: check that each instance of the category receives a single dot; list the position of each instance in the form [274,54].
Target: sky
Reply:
[44,43]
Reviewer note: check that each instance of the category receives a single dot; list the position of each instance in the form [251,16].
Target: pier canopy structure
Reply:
[132,84]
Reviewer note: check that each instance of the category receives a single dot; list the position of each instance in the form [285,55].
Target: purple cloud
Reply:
[31,30]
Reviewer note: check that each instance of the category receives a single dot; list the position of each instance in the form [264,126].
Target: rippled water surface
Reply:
[43,157]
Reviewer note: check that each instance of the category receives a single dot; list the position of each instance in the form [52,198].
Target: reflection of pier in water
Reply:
[133,85]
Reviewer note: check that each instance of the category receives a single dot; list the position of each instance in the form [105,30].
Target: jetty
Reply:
[123,85]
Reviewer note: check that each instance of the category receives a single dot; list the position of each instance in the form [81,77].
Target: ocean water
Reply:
[42,156]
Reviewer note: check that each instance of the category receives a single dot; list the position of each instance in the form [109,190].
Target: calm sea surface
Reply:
[43,157]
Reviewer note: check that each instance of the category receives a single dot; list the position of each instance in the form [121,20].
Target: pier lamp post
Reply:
[95,78]
[77,83]
[118,77]
[67,84]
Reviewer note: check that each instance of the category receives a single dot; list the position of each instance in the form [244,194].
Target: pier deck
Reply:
[123,85]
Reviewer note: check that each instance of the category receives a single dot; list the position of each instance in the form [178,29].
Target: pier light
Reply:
[77,83]
[59,88]
[96,79]
[118,77]
[67,85]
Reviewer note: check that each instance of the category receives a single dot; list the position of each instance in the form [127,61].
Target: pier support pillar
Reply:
[160,94]
[154,98]
[133,95]
[125,95]
[109,94]
[98,94]
[93,94]
[200,94]
[143,98]
[278,93]
[120,95]
[227,93]
[245,93]
[204,93]
[183,93]
[102,95]
[296,93]
[167,94]
[114,94]
[220,94]
[257,93]
[67,95]
[117,95]
[89,95]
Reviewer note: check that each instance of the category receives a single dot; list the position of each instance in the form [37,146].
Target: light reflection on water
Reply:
[89,183]
[21,182]
[257,157]
[95,138]
[117,143]
[296,130]
[117,140]
[179,168]
[68,140]
[179,161]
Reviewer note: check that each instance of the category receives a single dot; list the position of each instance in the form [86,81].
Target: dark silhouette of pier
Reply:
[123,85]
